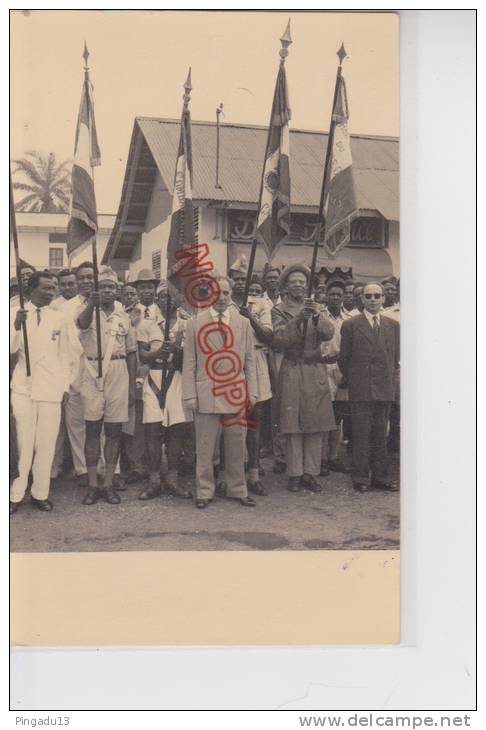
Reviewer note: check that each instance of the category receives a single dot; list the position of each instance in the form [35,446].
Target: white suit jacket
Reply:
[48,354]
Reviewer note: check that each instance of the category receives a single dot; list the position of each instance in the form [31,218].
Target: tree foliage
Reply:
[46,182]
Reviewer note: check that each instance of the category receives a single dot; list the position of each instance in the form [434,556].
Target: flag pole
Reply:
[185,110]
[94,252]
[320,232]
[285,42]
[18,267]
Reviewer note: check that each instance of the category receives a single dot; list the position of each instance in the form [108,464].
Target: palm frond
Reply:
[24,186]
[26,203]
[27,168]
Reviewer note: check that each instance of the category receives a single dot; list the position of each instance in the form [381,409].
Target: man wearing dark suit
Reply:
[219,341]
[368,359]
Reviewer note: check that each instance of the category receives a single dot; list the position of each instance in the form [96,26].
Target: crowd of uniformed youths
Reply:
[320,375]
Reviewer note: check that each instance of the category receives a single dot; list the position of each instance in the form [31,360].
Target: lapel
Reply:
[364,326]
[39,333]
[235,324]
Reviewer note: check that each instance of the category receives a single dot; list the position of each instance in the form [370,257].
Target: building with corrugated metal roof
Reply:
[225,213]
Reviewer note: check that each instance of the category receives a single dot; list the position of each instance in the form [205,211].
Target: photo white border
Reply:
[435,666]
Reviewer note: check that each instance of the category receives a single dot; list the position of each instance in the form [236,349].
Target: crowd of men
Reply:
[319,376]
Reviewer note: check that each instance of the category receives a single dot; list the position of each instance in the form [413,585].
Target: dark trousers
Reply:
[370,456]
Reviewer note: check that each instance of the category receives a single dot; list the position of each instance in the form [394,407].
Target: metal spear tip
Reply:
[341,54]
[286,39]
[85,54]
[188,85]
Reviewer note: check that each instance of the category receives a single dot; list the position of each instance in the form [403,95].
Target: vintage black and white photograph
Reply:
[204,281]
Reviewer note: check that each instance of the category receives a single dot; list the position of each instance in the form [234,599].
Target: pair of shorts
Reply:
[111,403]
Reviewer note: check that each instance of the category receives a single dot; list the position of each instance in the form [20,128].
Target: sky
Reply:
[139,61]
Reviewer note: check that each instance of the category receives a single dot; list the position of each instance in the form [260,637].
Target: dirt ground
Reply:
[336,519]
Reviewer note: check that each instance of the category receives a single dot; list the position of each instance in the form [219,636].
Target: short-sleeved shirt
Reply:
[117,323]
[150,331]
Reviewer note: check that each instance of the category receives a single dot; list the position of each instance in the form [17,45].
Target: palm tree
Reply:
[48,183]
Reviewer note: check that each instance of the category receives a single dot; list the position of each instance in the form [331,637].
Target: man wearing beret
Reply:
[300,327]
[106,399]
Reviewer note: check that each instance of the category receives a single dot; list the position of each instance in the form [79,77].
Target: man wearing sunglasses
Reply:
[369,359]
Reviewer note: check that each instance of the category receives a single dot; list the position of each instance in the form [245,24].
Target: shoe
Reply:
[309,482]
[82,480]
[91,496]
[110,496]
[279,467]
[153,490]
[361,488]
[338,466]
[247,502]
[119,483]
[391,486]
[294,484]
[42,504]
[14,507]
[324,470]
[173,487]
[135,476]
[202,503]
[257,488]
[221,489]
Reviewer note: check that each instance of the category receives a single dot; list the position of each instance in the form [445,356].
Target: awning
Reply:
[366,265]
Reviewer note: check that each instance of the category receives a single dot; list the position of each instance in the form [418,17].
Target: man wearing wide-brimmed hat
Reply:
[106,399]
[300,327]
[146,285]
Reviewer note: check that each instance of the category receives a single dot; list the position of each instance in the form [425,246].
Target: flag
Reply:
[273,222]
[83,221]
[339,201]
[182,218]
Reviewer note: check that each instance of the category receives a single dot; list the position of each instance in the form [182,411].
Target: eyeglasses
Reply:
[372,296]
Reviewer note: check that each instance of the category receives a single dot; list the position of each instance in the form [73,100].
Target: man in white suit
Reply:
[36,399]
[219,385]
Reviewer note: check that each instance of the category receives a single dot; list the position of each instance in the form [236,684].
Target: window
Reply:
[56,258]
[156,263]
[368,232]
[57,238]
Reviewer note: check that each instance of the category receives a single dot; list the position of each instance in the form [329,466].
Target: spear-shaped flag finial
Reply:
[286,41]
[187,89]
[341,54]
[85,55]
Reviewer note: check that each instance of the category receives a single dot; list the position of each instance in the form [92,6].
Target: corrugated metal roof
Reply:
[375,163]
[242,148]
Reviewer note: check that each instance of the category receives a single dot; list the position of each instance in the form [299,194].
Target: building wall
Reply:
[394,246]
[34,245]
[156,235]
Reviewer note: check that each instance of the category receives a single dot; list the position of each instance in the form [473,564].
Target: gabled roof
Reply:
[242,147]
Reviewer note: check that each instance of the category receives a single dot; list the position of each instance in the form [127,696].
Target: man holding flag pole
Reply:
[105,387]
[299,326]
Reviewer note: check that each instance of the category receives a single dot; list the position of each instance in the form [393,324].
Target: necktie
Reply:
[221,333]
[147,313]
[38,312]
[376,326]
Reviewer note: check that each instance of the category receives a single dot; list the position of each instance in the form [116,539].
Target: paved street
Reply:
[337,519]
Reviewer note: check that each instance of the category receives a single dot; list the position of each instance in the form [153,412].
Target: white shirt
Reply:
[71,310]
[152,311]
[51,373]
[225,316]
[371,317]
[267,298]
